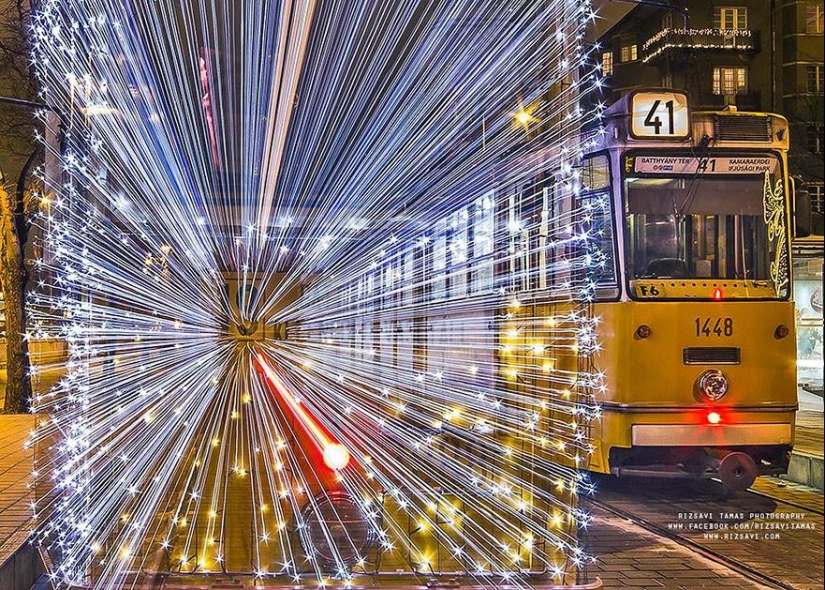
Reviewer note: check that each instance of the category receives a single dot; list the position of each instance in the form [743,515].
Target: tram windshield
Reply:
[706,218]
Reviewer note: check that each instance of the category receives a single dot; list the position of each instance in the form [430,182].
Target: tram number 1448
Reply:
[718,327]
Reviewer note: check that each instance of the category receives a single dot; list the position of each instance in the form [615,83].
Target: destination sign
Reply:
[691,165]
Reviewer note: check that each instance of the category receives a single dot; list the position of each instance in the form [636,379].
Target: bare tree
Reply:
[18,153]
[16,79]
[15,216]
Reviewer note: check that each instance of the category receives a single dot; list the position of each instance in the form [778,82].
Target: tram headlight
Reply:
[713,384]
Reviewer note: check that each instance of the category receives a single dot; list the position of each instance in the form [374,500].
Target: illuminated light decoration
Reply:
[717,294]
[696,32]
[727,34]
[714,418]
[524,119]
[205,214]
[774,203]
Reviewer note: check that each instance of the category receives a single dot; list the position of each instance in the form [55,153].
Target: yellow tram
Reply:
[692,306]
[698,333]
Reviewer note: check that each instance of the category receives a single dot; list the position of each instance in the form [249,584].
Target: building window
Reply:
[730,18]
[816,79]
[730,81]
[814,18]
[816,192]
[629,53]
[815,139]
[667,20]
[607,63]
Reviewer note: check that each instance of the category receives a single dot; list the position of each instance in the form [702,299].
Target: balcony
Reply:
[683,44]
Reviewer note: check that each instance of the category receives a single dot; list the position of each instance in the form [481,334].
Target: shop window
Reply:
[807,293]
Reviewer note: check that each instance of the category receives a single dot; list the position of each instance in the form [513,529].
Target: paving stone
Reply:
[17,560]
[642,574]
[659,562]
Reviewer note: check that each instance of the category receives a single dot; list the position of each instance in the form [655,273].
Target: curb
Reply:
[807,470]
[21,569]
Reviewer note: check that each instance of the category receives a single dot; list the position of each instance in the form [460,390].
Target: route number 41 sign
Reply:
[660,115]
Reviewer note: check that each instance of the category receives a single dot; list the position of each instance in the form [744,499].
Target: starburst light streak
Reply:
[430,397]
[383,113]
[209,147]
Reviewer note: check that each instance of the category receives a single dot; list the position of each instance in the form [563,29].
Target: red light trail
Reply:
[336,456]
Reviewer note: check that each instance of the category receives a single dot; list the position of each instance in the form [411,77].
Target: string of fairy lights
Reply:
[322,277]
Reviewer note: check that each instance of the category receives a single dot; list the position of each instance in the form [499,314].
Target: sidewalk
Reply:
[19,563]
[806,466]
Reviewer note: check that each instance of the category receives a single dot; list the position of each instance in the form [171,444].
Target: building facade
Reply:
[747,53]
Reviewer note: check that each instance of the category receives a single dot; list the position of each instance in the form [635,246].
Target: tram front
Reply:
[699,347]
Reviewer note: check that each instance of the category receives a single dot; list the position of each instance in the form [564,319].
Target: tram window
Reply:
[407,277]
[515,222]
[422,270]
[704,227]
[596,203]
[457,253]
[531,241]
[553,207]
[389,284]
[503,247]
[598,207]
[482,246]
[439,265]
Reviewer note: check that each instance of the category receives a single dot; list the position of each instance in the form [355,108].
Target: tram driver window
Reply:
[699,227]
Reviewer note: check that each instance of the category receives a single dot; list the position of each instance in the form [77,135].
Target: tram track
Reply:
[655,511]
[818,511]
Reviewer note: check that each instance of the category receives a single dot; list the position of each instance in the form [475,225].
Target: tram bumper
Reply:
[727,435]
